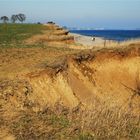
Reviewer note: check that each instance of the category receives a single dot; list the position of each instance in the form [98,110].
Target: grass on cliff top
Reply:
[16,33]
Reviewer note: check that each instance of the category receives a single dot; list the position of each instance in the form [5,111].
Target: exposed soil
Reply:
[110,76]
[53,33]
[51,93]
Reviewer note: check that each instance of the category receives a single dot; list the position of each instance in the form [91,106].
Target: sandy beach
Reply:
[99,42]
[87,40]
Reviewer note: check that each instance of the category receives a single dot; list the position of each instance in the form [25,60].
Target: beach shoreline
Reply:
[87,40]
[101,42]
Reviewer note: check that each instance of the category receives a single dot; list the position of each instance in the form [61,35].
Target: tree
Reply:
[14,18]
[5,19]
[21,17]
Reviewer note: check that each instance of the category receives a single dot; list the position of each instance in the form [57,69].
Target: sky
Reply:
[109,14]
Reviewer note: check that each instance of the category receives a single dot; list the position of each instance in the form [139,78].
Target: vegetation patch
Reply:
[17,33]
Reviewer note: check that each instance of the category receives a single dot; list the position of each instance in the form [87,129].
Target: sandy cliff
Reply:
[58,93]
[110,75]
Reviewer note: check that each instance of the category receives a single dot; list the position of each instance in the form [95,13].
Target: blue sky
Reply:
[77,13]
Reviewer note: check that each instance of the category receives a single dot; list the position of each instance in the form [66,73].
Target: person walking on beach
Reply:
[93,38]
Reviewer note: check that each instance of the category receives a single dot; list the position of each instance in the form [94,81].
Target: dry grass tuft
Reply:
[59,122]
[105,122]
[116,44]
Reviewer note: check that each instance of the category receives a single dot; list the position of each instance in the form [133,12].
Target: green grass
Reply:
[85,136]
[59,120]
[16,33]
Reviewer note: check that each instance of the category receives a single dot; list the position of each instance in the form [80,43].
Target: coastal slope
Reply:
[53,92]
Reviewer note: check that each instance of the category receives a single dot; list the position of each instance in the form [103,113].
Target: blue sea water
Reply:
[117,35]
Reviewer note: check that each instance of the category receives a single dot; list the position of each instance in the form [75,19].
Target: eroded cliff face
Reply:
[51,34]
[109,76]
[92,91]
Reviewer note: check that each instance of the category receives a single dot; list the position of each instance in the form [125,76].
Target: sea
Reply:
[117,35]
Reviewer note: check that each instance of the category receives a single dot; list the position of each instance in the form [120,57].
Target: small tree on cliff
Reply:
[14,18]
[5,19]
[21,17]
